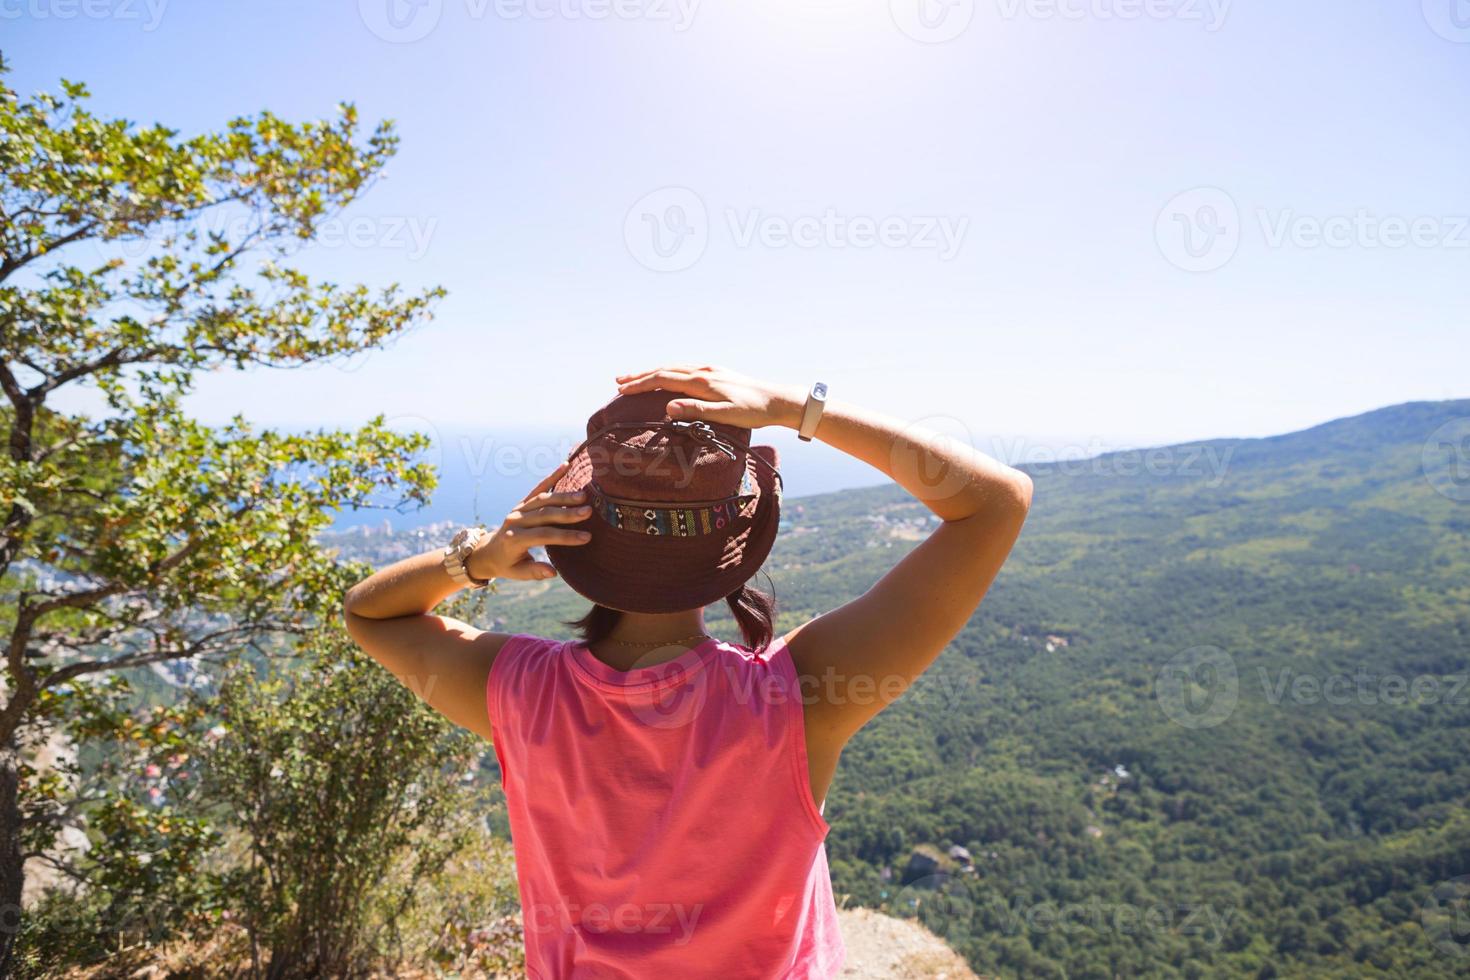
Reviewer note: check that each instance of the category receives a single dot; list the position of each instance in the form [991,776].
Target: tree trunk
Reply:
[12,867]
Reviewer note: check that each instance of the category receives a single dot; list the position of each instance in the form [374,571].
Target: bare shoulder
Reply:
[444,661]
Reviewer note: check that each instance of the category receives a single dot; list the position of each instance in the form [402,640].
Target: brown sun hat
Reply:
[683,512]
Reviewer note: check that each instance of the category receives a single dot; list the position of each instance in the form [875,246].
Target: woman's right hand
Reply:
[505,553]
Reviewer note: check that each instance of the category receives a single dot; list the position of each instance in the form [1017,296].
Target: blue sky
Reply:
[1067,222]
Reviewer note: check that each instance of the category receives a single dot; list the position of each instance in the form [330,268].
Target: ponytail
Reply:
[755,611]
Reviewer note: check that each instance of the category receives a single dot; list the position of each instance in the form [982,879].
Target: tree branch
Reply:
[204,646]
[11,264]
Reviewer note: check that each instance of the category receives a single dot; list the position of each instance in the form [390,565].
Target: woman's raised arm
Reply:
[443,661]
[861,656]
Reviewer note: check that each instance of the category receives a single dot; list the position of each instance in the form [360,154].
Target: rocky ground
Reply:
[884,948]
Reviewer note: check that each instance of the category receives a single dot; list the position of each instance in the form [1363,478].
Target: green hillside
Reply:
[1270,637]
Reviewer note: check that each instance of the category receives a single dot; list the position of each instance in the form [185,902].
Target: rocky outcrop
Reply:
[929,867]
[880,947]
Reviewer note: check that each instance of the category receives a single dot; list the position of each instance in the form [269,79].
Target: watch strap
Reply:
[457,556]
[811,413]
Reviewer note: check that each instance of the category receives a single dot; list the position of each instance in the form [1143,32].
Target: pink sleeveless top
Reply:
[662,818]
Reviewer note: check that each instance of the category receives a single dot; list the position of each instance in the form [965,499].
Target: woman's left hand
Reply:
[720,395]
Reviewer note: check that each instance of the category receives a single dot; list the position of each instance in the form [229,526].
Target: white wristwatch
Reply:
[457,556]
[816,400]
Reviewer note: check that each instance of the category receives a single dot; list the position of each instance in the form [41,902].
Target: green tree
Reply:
[135,534]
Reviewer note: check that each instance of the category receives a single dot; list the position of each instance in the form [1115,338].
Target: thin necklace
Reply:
[656,643]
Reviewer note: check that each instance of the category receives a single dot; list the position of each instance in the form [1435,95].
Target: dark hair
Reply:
[753,609]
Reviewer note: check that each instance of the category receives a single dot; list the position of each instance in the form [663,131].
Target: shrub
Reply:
[350,796]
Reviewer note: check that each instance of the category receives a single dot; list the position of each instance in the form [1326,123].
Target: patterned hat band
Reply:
[676,519]
[680,518]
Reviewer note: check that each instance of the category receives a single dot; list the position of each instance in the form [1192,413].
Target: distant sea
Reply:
[483,473]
